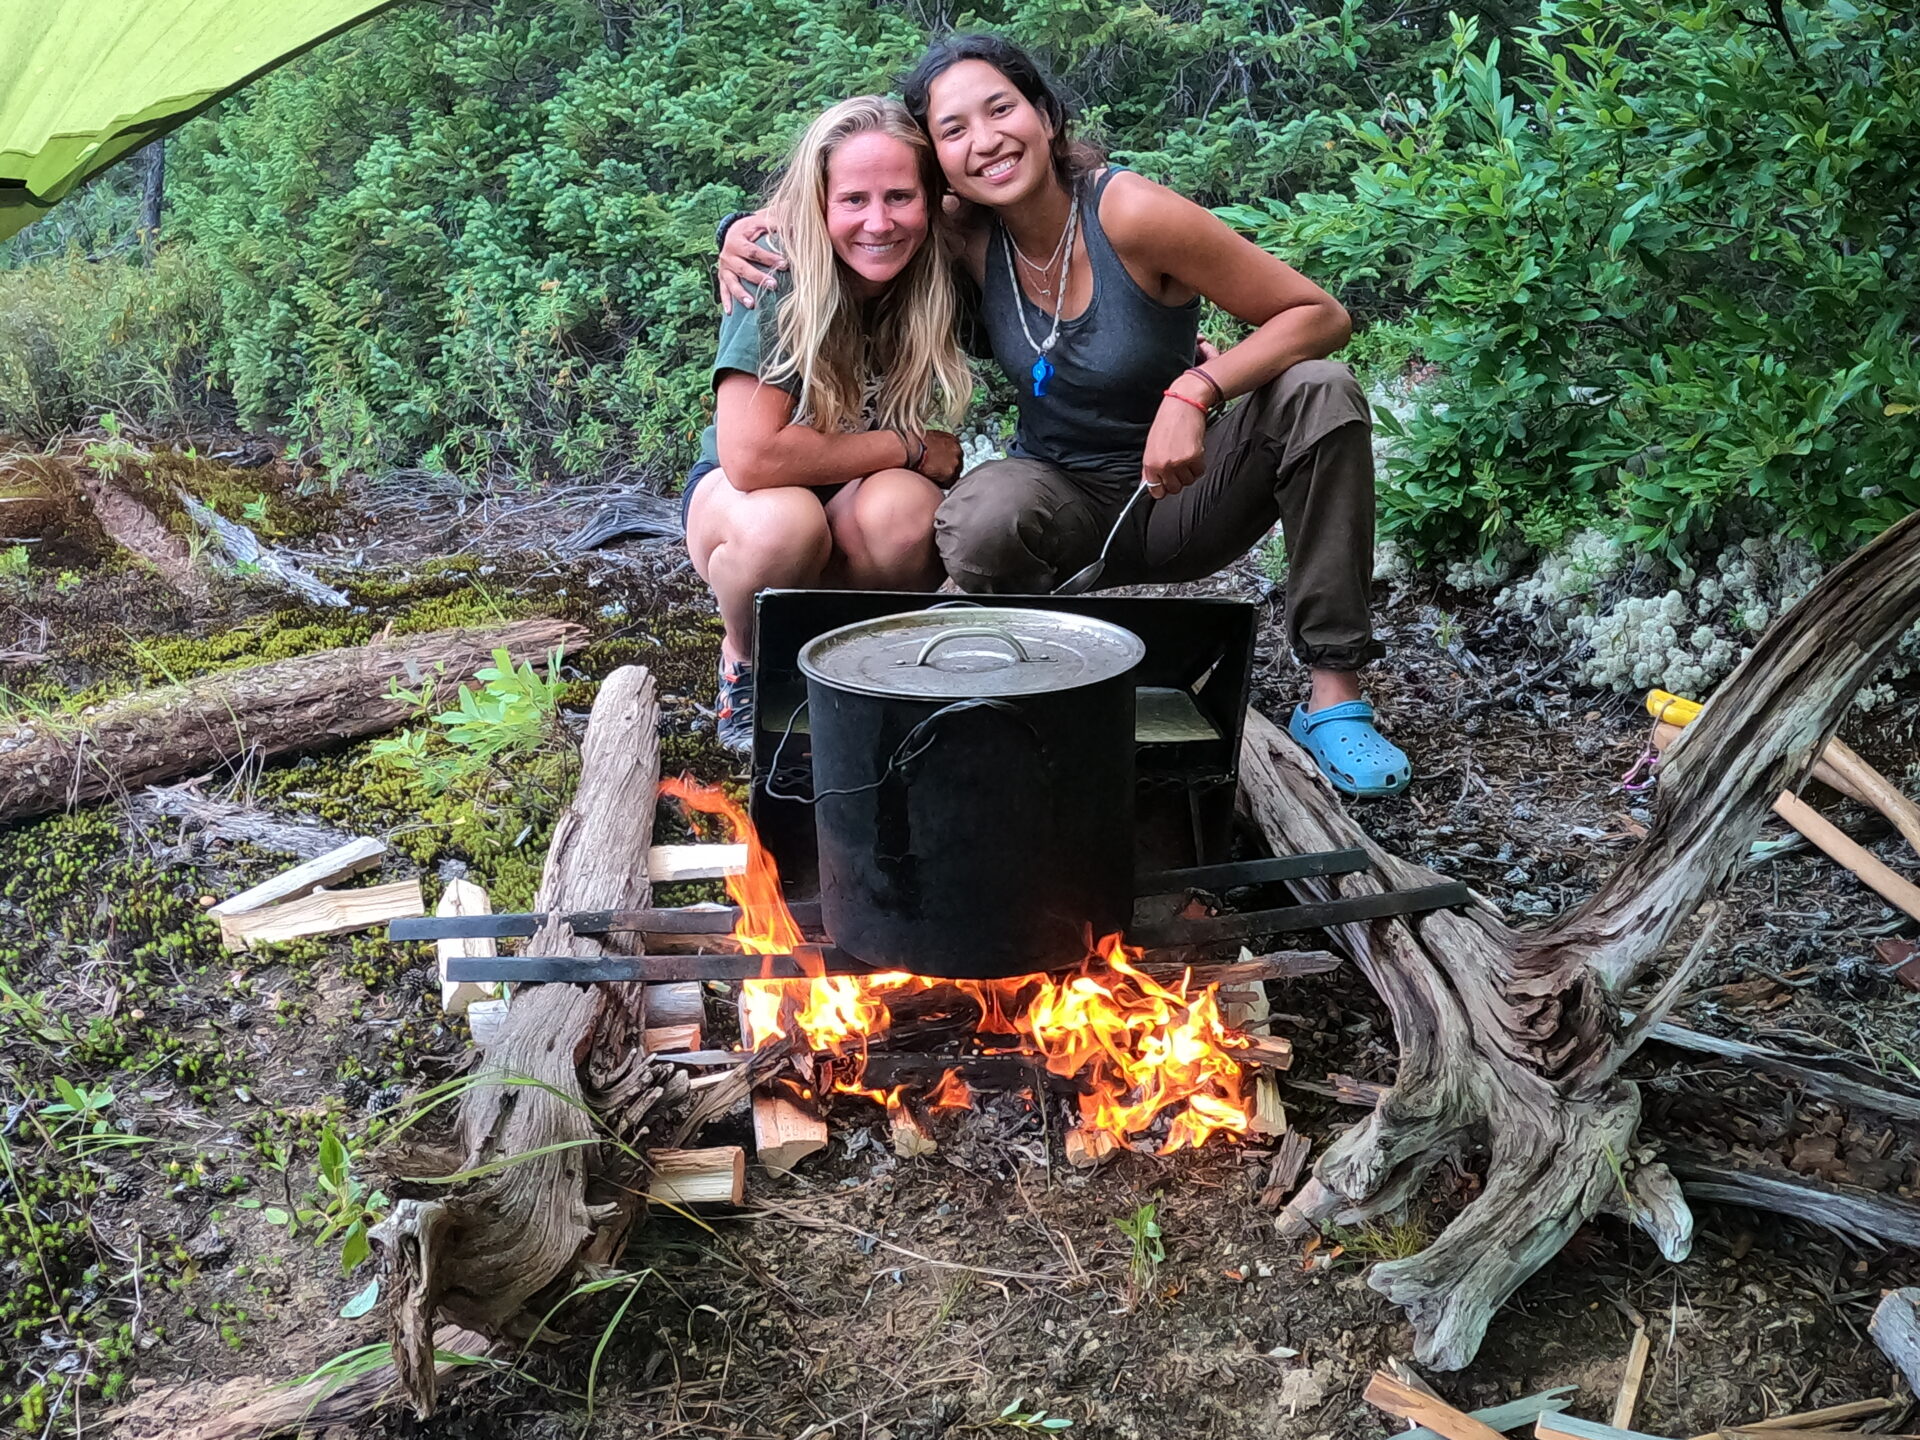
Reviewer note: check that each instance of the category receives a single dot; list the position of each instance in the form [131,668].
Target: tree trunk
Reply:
[1512,1043]
[56,761]
[153,194]
[477,1258]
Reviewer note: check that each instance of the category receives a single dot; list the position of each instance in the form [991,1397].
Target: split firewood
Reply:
[671,1037]
[911,1138]
[783,1133]
[341,863]
[669,863]
[1245,1008]
[1895,1328]
[484,1019]
[324,912]
[1397,1398]
[1288,1161]
[677,1002]
[463,897]
[263,710]
[716,1176]
[1087,1148]
[1272,1052]
[1840,847]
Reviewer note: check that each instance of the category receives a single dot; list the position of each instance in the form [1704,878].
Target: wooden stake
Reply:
[1895,889]
[1630,1382]
[1386,1393]
[1816,1419]
[484,1019]
[324,912]
[463,897]
[340,863]
[717,1176]
[1245,1007]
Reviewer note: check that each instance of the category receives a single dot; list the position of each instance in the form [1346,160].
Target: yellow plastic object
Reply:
[85,82]
[1674,709]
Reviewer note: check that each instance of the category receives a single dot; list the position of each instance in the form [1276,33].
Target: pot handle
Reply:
[912,746]
[985,632]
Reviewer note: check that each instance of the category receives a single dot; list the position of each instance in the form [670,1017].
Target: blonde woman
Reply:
[821,469]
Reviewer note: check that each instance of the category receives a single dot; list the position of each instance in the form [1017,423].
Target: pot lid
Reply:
[955,653]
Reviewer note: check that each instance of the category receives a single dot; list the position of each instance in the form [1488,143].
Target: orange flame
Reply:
[1145,1048]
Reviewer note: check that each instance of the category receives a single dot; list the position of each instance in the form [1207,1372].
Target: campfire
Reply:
[1133,1049]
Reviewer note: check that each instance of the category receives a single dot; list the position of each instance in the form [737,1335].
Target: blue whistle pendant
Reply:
[1042,372]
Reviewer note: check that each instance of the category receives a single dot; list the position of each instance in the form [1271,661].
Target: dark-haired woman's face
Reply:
[994,145]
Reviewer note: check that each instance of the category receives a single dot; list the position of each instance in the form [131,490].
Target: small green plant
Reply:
[1142,1228]
[1273,560]
[15,561]
[350,1206]
[1379,1240]
[254,512]
[514,712]
[1032,1422]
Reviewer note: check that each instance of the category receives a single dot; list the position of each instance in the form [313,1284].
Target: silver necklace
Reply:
[1042,370]
[1043,273]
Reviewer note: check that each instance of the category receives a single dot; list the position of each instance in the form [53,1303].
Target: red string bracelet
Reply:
[1172,394]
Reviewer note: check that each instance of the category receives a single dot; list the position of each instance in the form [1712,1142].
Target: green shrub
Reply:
[1667,269]
[78,337]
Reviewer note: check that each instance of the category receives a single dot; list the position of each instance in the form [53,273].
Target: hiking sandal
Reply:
[1356,758]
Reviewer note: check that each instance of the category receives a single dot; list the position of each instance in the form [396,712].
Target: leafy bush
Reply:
[479,237]
[1667,270]
[78,337]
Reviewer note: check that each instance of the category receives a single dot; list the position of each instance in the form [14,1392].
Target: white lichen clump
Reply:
[1636,624]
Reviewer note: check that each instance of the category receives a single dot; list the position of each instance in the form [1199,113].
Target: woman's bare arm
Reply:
[1157,232]
[760,446]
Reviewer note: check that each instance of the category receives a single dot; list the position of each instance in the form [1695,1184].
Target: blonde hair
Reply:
[902,362]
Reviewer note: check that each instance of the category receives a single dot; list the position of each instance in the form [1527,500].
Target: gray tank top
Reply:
[1110,363]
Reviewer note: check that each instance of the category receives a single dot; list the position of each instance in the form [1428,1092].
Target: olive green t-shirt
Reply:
[749,343]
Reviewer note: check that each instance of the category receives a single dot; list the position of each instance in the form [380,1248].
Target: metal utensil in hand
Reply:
[1082,581]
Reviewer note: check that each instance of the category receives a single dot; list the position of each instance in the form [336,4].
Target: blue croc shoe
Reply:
[1354,756]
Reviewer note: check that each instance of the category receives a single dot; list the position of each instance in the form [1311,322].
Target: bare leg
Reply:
[1333,687]
[746,541]
[883,532]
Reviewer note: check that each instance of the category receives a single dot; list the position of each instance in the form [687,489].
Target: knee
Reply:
[984,529]
[784,526]
[1319,377]
[890,523]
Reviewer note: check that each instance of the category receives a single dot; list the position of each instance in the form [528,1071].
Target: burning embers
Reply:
[1133,1047]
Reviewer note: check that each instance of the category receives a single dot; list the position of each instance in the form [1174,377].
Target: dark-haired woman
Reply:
[1091,279]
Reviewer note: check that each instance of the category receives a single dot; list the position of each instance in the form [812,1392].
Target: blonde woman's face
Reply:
[877,215]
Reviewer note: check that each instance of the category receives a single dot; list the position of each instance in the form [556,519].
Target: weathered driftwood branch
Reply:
[477,1257]
[1867,1216]
[1896,1330]
[1512,1042]
[243,547]
[50,763]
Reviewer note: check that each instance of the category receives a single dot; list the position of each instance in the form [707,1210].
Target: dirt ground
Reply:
[962,1293]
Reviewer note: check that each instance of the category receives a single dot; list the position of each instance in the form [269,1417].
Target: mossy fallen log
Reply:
[52,761]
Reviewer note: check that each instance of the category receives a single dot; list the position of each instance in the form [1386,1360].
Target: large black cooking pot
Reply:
[973,777]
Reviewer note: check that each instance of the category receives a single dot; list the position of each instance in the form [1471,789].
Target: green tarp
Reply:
[84,83]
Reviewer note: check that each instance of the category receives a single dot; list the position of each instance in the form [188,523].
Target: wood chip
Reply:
[669,863]
[1384,1392]
[1089,1148]
[1628,1398]
[715,1176]
[671,1037]
[484,1019]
